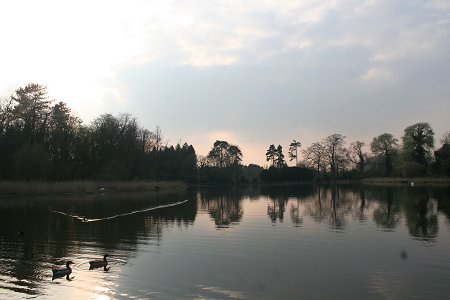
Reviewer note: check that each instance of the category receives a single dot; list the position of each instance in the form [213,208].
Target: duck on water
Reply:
[61,272]
[94,264]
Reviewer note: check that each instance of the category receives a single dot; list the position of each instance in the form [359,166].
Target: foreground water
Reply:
[305,242]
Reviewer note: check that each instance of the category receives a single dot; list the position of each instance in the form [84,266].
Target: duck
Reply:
[60,272]
[93,264]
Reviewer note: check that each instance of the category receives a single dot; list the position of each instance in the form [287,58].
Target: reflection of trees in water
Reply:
[21,253]
[360,204]
[276,208]
[424,223]
[47,236]
[279,196]
[296,217]
[418,205]
[421,214]
[387,214]
[224,206]
[331,205]
[386,205]
[442,195]
[342,205]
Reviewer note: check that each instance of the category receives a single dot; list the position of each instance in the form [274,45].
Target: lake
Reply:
[296,242]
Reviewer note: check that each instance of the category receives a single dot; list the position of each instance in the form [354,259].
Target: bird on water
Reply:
[93,264]
[60,272]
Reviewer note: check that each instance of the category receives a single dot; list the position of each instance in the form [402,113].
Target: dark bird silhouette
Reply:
[94,264]
[60,272]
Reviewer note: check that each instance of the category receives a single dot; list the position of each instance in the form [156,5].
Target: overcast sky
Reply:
[253,73]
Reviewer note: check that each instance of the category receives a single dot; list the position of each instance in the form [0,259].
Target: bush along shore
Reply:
[9,188]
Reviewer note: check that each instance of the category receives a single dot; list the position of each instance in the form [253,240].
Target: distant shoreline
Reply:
[409,181]
[367,181]
[38,188]
[26,188]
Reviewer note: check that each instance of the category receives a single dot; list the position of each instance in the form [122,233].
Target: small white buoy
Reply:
[412,183]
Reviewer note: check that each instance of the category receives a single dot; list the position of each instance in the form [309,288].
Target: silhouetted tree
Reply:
[157,138]
[6,112]
[39,140]
[61,141]
[279,157]
[31,162]
[224,154]
[270,154]
[445,139]
[418,142]
[334,145]
[10,134]
[385,145]
[224,163]
[218,154]
[235,155]
[32,111]
[314,155]
[357,155]
[442,156]
[293,151]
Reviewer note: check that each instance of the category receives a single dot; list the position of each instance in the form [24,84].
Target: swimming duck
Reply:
[60,272]
[93,264]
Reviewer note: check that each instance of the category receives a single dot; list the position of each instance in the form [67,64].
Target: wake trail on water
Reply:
[86,219]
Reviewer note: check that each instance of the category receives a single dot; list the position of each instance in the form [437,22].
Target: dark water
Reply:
[305,242]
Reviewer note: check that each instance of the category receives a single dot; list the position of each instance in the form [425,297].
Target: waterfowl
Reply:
[93,264]
[60,272]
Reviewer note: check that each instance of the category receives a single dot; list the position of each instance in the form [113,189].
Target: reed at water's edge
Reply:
[84,187]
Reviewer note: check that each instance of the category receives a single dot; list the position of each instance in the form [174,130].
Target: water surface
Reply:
[303,242]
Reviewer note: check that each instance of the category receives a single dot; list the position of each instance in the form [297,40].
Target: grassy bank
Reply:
[416,180]
[84,187]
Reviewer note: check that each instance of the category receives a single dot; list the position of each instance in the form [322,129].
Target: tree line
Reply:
[384,156]
[41,139]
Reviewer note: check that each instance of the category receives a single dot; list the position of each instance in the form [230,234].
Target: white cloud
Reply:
[378,74]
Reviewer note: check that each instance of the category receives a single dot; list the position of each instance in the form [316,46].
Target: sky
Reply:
[253,73]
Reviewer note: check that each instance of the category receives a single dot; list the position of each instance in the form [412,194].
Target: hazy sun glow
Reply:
[279,66]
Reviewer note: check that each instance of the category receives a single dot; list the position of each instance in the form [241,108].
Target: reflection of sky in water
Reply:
[269,246]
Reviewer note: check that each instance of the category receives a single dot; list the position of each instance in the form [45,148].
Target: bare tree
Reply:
[445,138]
[157,138]
[6,112]
[357,155]
[334,146]
[314,155]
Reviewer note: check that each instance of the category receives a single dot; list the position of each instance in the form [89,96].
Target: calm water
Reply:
[305,242]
